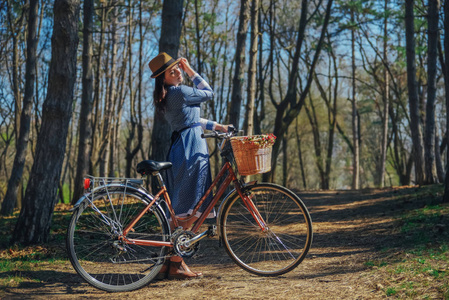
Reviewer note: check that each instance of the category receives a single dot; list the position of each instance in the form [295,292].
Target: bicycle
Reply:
[119,235]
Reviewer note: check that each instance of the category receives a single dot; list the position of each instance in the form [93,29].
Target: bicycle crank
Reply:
[185,243]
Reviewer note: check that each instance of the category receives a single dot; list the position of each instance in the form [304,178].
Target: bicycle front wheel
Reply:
[98,251]
[279,247]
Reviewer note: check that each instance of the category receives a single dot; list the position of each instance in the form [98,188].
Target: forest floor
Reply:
[368,244]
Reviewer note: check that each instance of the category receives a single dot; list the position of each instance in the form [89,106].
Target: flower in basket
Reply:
[261,140]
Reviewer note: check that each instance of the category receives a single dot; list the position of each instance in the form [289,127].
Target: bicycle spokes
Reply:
[269,235]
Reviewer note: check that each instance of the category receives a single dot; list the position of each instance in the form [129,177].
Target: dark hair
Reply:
[159,93]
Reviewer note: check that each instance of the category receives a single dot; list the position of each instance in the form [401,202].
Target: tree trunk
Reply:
[355,121]
[169,43]
[109,107]
[438,159]
[135,118]
[285,159]
[252,68]
[413,98]
[429,137]
[15,27]
[85,120]
[198,39]
[332,112]
[96,138]
[386,98]
[301,163]
[33,224]
[446,85]
[138,147]
[311,114]
[331,105]
[260,104]
[402,164]
[114,169]
[25,120]
[238,79]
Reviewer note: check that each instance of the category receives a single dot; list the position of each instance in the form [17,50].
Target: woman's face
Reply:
[173,76]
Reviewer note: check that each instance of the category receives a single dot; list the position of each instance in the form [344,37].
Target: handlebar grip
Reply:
[208,135]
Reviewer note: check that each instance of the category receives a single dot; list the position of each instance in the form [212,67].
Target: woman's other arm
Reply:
[212,125]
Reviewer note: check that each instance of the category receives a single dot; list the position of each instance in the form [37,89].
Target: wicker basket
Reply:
[251,158]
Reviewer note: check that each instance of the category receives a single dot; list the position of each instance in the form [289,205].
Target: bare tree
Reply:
[415,119]
[135,114]
[237,80]
[15,26]
[85,119]
[355,115]
[96,124]
[111,98]
[289,108]
[324,162]
[33,224]
[446,58]
[25,119]
[252,68]
[198,38]
[386,99]
[429,137]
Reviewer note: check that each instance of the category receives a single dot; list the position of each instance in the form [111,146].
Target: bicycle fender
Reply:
[75,206]
[226,199]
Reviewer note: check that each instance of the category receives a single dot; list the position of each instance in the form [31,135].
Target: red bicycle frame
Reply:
[230,177]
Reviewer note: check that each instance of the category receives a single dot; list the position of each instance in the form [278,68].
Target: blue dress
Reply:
[190,176]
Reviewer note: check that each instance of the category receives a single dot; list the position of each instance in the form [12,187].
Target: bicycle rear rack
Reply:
[92,183]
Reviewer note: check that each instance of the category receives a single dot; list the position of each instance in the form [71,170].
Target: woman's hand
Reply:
[185,66]
[223,128]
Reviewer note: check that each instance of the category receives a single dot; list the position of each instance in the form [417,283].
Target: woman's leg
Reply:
[176,268]
[179,270]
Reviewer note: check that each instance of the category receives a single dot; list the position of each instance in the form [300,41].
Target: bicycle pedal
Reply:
[212,231]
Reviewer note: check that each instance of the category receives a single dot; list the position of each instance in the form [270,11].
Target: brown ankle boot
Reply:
[163,273]
[179,270]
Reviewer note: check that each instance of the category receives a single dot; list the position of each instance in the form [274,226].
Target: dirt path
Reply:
[349,229]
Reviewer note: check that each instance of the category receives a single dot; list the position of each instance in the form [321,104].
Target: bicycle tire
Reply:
[282,246]
[97,254]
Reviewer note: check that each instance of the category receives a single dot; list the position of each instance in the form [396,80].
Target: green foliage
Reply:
[66,193]
[391,291]
[375,263]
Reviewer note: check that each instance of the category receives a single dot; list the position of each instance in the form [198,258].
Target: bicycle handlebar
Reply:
[221,135]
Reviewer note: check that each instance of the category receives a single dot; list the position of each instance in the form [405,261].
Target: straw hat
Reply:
[161,63]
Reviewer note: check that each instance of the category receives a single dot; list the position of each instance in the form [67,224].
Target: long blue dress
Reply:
[190,175]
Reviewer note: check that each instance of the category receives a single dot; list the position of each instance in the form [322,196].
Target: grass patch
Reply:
[19,264]
[376,263]
[421,267]
[391,291]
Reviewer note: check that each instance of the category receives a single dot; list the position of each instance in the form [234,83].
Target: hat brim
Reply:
[164,68]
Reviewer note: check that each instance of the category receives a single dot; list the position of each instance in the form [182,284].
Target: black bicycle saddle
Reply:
[149,166]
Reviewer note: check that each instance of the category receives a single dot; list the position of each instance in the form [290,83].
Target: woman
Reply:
[190,176]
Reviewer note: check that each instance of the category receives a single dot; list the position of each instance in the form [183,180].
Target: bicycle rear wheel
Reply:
[97,253]
[279,248]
